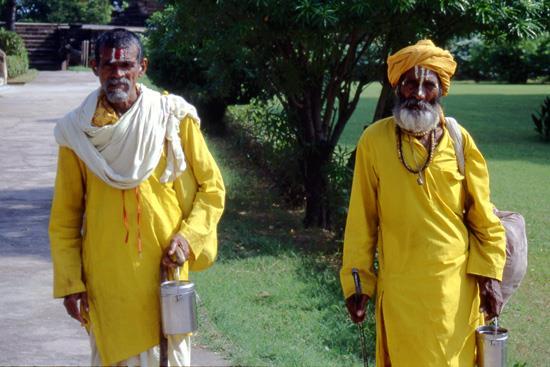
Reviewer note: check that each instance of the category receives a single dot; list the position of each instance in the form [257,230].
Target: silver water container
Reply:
[178,307]
[491,346]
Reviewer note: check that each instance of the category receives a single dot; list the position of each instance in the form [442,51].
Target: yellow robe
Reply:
[427,302]
[88,247]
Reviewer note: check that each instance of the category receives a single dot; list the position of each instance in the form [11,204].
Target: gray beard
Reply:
[417,121]
[118,95]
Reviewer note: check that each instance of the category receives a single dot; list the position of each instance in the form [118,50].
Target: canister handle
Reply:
[164,275]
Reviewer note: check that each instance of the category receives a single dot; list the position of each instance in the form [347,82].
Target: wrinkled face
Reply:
[417,106]
[421,84]
[118,71]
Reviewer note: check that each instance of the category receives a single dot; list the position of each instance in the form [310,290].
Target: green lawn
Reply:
[273,297]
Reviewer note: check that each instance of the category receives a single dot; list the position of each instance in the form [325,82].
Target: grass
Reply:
[273,297]
[28,77]
[80,68]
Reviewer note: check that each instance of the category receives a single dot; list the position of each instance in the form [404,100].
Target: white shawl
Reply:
[126,153]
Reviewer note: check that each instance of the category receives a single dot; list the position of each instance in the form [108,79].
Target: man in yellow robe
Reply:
[135,185]
[440,250]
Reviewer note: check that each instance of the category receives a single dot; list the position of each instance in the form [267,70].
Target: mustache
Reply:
[114,82]
[415,103]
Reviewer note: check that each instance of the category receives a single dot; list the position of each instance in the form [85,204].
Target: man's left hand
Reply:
[490,297]
[177,253]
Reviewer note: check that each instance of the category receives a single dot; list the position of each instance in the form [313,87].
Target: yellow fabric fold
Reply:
[423,53]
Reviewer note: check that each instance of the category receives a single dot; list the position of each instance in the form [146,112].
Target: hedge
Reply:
[14,47]
[17,65]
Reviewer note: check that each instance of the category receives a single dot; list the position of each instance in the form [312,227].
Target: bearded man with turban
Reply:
[440,250]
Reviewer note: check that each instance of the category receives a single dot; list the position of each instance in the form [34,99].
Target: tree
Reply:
[213,75]
[443,21]
[8,8]
[316,57]
[66,11]
[511,61]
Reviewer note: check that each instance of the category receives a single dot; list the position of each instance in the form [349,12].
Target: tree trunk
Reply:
[315,170]
[212,113]
[385,101]
[10,15]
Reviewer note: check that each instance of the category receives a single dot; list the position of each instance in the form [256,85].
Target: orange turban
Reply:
[425,54]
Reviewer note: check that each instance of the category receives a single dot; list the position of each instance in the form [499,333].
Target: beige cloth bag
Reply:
[513,223]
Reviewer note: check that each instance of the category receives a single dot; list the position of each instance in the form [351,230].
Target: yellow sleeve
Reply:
[210,198]
[487,236]
[361,234]
[66,225]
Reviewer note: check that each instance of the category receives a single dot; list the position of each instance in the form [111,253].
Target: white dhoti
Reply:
[179,353]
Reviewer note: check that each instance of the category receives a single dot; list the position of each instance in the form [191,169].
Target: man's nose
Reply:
[118,72]
[419,93]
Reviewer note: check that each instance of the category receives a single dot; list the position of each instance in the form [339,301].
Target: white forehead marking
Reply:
[423,73]
[120,52]
[416,71]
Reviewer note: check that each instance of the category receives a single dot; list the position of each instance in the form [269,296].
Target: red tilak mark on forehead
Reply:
[119,53]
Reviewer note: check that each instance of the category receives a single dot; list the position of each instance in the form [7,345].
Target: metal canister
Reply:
[178,307]
[491,346]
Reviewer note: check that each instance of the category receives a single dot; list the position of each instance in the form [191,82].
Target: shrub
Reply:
[17,65]
[542,121]
[12,43]
[14,47]
[263,131]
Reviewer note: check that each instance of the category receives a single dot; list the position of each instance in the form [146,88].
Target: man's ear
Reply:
[143,66]
[93,64]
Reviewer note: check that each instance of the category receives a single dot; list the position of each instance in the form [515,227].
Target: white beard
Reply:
[117,96]
[416,121]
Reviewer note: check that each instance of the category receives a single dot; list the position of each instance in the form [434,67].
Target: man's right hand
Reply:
[71,305]
[356,308]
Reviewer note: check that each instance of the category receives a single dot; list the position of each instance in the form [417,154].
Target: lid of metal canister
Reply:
[491,333]
[176,287]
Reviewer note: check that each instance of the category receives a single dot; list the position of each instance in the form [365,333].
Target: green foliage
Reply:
[512,61]
[542,120]
[261,127]
[185,60]
[66,11]
[14,47]
[17,65]
[12,43]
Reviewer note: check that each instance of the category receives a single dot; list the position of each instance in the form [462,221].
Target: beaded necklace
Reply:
[431,150]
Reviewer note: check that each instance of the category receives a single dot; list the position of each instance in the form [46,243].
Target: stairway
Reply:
[42,42]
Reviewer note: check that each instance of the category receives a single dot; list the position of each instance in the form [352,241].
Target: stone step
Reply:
[43,64]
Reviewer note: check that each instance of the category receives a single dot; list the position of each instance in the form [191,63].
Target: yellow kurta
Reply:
[87,236]
[427,304]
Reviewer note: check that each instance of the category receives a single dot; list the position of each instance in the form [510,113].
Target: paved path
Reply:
[34,328]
